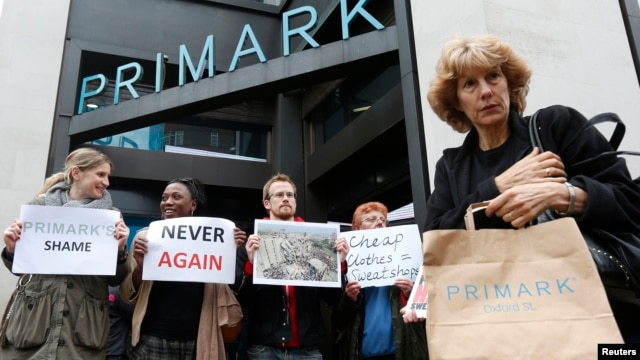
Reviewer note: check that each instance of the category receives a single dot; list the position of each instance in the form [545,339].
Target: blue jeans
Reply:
[263,352]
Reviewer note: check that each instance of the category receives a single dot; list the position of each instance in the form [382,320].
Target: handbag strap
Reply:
[614,140]
[618,131]
[534,134]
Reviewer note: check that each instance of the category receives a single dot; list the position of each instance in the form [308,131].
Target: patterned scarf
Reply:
[58,195]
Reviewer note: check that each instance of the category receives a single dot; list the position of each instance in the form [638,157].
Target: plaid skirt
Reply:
[154,348]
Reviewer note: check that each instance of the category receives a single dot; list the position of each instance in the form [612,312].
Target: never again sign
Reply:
[197,249]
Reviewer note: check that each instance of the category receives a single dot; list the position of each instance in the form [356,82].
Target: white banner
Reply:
[418,299]
[66,240]
[197,249]
[296,253]
[379,256]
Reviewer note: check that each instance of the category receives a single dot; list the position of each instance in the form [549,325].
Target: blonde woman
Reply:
[64,316]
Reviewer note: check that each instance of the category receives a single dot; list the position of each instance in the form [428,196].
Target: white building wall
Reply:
[32,35]
[578,50]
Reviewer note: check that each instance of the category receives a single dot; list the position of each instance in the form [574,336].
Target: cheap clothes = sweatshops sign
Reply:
[379,256]
[207,57]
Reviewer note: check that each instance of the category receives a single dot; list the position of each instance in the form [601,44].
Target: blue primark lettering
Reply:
[503,291]
[347,16]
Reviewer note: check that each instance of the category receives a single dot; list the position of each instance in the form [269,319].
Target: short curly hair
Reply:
[461,56]
[366,208]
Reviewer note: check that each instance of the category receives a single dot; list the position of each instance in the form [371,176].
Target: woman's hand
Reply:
[352,290]
[239,236]
[405,285]
[342,247]
[139,250]
[410,316]
[12,234]
[523,203]
[252,245]
[534,168]
[121,234]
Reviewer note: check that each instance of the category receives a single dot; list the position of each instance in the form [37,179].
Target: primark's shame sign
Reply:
[207,58]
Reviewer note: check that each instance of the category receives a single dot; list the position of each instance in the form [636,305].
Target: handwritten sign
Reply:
[379,256]
[296,253]
[196,249]
[418,298]
[66,240]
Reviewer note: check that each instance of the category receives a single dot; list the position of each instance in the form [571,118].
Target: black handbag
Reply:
[616,255]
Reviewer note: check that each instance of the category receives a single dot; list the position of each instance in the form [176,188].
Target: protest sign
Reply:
[379,256]
[418,299]
[197,249]
[66,240]
[296,253]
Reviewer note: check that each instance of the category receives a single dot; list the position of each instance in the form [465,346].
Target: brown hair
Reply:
[83,159]
[277,177]
[365,209]
[462,56]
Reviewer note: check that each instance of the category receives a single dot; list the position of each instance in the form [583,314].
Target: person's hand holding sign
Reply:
[352,290]
[405,285]
[253,243]
[342,247]
[139,250]
[11,235]
[121,234]
[240,236]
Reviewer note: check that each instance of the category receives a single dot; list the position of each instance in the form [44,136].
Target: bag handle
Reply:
[618,131]
[468,217]
[616,136]
[534,136]
[614,141]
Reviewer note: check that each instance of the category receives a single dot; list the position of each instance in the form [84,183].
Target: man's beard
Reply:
[284,212]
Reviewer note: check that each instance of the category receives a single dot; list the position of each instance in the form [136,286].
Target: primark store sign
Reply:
[207,61]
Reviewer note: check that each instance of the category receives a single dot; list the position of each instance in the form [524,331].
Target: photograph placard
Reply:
[296,253]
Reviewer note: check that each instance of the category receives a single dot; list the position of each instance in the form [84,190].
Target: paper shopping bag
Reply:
[531,293]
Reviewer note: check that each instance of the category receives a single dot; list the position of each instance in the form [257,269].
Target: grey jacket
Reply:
[59,316]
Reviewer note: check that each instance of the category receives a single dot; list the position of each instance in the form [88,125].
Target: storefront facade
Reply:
[231,92]
[264,102]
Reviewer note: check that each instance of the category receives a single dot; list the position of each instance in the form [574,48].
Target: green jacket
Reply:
[59,316]
[348,320]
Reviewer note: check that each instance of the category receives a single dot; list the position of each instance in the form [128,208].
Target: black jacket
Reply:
[268,314]
[612,195]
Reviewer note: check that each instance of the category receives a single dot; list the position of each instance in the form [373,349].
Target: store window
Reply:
[231,132]
[353,97]
[190,136]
